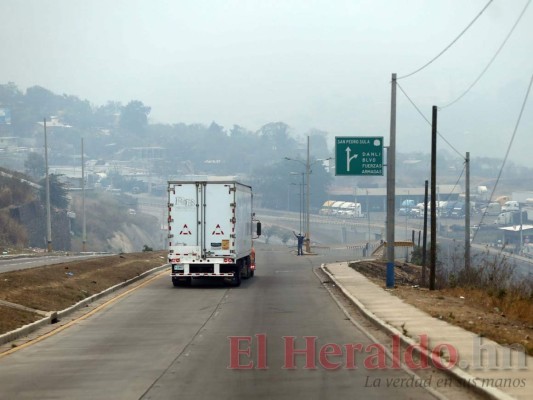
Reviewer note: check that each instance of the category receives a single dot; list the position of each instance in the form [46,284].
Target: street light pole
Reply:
[302,215]
[307,233]
[302,209]
[84,220]
[307,165]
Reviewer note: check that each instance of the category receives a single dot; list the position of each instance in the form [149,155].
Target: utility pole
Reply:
[467,211]
[425,237]
[391,192]
[47,189]
[84,221]
[433,248]
[521,229]
[308,172]
[367,215]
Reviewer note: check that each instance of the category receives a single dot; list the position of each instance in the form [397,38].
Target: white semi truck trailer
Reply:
[211,228]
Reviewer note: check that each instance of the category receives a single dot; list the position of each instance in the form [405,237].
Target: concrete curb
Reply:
[54,316]
[455,372]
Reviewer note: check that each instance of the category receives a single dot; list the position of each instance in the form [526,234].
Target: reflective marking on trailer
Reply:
[218,230]
[185,230]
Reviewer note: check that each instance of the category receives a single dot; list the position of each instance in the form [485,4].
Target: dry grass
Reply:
[503,316]
[59,286]
[11,232]
[11,318]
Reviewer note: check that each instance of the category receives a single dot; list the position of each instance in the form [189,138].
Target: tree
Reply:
[42,102]
[35,165]
[273,184]
[106,116]
[77,112]
[275,137]
[10,94]
[319,145]
[134,117]
[58,192]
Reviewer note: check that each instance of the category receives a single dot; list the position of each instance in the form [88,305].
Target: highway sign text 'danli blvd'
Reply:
[359,155]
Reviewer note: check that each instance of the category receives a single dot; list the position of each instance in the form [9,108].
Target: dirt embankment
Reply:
[56,287]
[503,318]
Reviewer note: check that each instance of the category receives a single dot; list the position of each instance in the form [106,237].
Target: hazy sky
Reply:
[323,64]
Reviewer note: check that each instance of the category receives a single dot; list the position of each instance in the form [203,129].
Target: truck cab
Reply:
[406,207]
[511,205]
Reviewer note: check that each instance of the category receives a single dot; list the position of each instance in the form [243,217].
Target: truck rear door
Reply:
[219,217]
[183,220]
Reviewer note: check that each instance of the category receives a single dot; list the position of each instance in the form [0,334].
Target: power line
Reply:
[457,182]
[428,121]
[508,149]
[450,45]
[493,58]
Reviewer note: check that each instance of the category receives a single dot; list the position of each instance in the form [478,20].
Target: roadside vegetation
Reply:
[56,287]
[270,231]
[13,191]
[107,214]
[489,298]
[491,277]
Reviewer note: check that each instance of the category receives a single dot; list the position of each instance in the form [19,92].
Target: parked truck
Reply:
[211,228]
[406,207]
[510,205]
[494,208]
[512,218]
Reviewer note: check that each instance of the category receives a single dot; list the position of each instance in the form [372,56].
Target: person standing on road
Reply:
[300,239]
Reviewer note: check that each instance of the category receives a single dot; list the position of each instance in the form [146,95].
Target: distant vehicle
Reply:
[406,207]
[131,211]
[511,218]
[482,192]
[502,199]
[420,207]
[446,209]
[416,212]
[511,205]
[493,209]
[458,210]
[350,209]
[341,209]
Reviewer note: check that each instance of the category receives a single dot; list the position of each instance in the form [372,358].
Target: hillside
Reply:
[110,226]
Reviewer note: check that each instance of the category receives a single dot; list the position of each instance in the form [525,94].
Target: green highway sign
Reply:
[359,155]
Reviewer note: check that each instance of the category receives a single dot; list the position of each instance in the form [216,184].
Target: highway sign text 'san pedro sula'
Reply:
[359,156]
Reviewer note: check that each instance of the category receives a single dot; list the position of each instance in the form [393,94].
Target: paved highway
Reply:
[161,342]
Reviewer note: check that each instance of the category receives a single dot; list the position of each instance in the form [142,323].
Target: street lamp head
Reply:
[292,159]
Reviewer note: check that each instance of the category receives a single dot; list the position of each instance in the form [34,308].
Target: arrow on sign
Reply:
[348,158]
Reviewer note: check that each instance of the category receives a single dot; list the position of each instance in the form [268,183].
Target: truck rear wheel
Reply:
[247,268]
[236,278]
